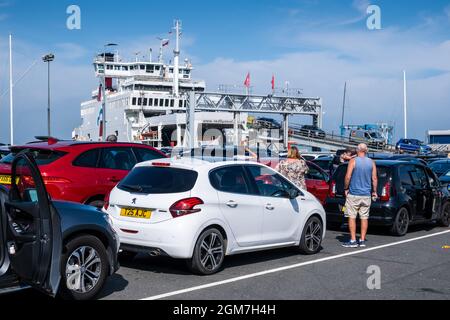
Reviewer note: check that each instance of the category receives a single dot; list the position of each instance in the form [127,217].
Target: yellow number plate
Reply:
[5,180]
[136,213]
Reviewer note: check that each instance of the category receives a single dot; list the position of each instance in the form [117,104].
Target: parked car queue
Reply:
[192,209]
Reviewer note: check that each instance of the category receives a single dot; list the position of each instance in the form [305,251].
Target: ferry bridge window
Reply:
[140,102]
[134,102]
[172,103]
[161,102]
[150,102]
[142,67]
[167,103]
[180,103]
[117,68]
[124,68]
[145,102]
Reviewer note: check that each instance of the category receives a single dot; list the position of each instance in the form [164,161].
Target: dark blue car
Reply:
[413,146]
[56,247]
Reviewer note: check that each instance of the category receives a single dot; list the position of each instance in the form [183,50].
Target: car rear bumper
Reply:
[174,238]
[381,213]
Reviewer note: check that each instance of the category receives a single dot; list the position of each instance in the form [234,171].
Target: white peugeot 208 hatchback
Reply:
[201,211]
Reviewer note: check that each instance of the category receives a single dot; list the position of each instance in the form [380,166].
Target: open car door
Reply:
[33,228]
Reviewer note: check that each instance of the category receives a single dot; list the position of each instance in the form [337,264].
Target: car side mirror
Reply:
[30,195]
[293,194]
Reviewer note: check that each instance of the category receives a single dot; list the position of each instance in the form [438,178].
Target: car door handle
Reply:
[232,204]
[270,207]
[113,179]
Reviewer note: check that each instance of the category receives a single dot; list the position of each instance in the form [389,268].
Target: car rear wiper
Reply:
[132,188]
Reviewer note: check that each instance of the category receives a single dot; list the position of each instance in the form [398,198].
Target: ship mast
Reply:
[176,52]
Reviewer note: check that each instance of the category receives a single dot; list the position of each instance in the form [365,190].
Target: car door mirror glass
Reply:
[293,194]
[30,195]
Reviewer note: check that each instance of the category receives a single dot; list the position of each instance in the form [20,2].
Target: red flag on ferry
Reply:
[247,81]
[273,82]
[99,96]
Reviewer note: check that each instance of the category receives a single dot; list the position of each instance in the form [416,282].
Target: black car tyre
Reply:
[84,268]
[445,215]
[401,223]
[209,253]
[127,255]
[334,226]
[96,203]
[312,236]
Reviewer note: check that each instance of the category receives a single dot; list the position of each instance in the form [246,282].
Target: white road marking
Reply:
[295,266]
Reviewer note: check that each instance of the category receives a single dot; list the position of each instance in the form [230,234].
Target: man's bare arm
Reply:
[348,176]
[375,179]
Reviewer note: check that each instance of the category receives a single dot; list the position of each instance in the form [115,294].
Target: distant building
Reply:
[439,140]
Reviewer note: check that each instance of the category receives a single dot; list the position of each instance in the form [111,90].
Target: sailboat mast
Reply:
[11,85]
[343,109]
[405,104]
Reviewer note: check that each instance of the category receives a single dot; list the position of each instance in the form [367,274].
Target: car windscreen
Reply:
[384,175]
[440,167]
[158,180]
[41,156]
[323,164]
[375,135]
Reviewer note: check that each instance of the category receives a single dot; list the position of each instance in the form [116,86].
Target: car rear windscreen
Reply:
[384,175]
[158,180]
[41,156]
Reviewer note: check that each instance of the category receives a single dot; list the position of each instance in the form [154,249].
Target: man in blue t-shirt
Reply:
[361,185]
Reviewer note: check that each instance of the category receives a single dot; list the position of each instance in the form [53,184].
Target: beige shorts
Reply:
[357,205]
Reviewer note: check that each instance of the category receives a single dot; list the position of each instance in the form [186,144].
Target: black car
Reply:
[325,163]
[440,167]
[410,193]
[56,247]
[445,180]
[312,132]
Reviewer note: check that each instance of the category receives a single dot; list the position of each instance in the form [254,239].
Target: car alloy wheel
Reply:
[83,270]
[211,252]
[445,217]
[311,241]
[313,236]
[401,223]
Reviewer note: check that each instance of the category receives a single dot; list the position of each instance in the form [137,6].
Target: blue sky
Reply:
[316,45]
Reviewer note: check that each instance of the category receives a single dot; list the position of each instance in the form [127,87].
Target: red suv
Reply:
[82,172]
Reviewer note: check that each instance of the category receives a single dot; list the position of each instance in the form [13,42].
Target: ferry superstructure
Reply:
[133,92]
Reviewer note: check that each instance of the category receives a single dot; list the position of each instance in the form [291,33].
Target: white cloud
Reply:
[372,63]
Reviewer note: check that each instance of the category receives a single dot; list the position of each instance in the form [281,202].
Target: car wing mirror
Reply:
[293,194]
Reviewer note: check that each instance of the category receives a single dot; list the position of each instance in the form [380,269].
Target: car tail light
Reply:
[106,205]
[386,193]
[185,207]
[160,164]
[333,189]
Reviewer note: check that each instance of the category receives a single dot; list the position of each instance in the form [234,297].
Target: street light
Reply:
[48,58]
[104,90]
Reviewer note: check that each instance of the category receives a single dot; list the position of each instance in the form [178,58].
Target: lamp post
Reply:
[47,59]
[104,90]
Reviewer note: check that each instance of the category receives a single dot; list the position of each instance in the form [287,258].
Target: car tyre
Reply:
[209,253]
[127,256]
[96,203]
[401,223]
[84,265]
[312,236]
[445,215]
